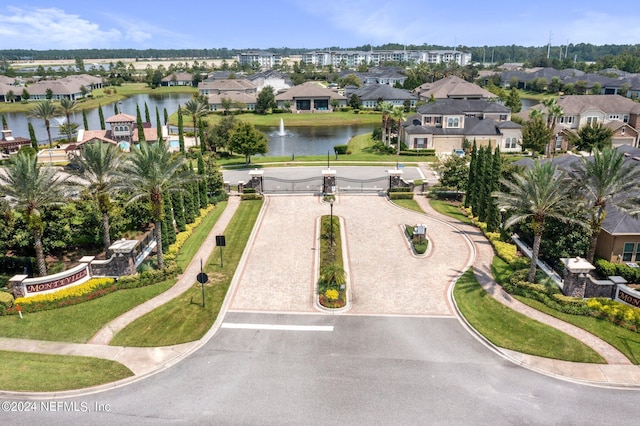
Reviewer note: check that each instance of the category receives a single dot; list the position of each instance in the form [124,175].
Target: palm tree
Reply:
[149,172]
[554,111]
[32,187]
[196,109]
[604,180]
[100,163]
[593,137]
[386,108]
[45,110]
[539,193]
[67,106]
[398,116]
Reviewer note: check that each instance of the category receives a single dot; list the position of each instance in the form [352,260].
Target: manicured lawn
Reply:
[184,319]
[409,204]
[56,372]
[511,330]
[448,209]
[78,323]
[626,341]
[193,243]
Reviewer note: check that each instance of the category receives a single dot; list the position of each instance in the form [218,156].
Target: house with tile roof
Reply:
[178,79]
[232,101]
[10,143]
[278,81]
[452,87]
[122,131]
[309,97]
[372,94]
[620,114]
[221,86]
[445,124]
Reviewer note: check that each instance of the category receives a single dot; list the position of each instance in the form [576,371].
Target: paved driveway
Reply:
[278,273]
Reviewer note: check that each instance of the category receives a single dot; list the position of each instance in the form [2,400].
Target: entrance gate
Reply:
[272,185]
[373,185]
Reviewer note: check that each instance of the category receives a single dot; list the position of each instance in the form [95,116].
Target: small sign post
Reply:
[202,279]
[220,242]
[19,311]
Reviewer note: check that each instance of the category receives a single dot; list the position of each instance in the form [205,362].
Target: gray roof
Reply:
[462,106]
[372,92]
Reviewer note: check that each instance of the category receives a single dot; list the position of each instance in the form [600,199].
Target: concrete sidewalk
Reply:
[618,371]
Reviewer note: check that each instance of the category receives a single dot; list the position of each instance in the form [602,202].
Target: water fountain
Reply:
[282,132]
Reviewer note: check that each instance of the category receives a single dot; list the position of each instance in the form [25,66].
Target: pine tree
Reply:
[101,115]
[32,136]
[85,122]
[147,117]
[493,215]
[158,125]
[139,124]
[468,199]
[180,130]
[178,211]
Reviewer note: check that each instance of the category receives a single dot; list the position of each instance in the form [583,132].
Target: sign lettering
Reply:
[60,282]
[628,298]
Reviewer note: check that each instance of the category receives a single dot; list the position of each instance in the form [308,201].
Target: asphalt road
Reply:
[357,370]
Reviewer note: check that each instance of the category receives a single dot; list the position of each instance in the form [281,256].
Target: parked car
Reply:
[459,152]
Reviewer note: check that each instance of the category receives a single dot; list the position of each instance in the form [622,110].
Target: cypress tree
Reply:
[203,144]
[486,184]
[147,117]
[178,211]
[165,236]
[202,183]
[180,130]
[158,125]
[189,205]
[195,190]
[169,219]
[468,199]
[493,215]
[101,115]
[85,122]
[478,185]
[166,117]
[32,136]
[5,126]
[139,124]
[115,109]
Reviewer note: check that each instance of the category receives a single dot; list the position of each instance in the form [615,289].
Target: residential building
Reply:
[372,94]
[309,97]
[276,80]
[452,87]
[378,75]
[444,125]
[232,101]
[178,79]
[72,87]
[10,143]
[264,59]
[122,131]
[355,58]
[221,86]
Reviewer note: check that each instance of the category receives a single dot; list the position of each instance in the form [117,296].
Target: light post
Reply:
[331,223]
[503,211]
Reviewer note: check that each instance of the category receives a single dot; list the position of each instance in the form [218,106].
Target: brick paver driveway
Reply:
[385,278]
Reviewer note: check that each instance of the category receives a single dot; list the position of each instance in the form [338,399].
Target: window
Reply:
[450,122]
[507,143]
[456,122]
[592,120]
[622,131]
[631,252]
[438,120]
[427,120]
[503,117]
[558,142]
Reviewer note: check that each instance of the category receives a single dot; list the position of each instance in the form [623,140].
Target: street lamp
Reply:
[331,223]
[503,212]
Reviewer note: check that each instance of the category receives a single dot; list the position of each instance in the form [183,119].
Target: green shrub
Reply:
[401,189]
[418,152]
[248,197]
[248,190]
[341,149]
[401,195]
[6,301]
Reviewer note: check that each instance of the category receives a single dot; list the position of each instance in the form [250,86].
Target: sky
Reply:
[251,24]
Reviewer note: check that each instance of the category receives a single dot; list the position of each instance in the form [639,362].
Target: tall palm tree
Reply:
[386,108]
[100,163]
[150,171]
[604,180]
[554,112]
[32,187]
[67,106]
[45,110]
[196,109]
[398,116]
[539,193]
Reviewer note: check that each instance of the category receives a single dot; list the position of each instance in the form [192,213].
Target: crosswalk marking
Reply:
[279,327]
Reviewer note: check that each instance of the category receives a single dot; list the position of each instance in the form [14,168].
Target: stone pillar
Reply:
[329,181]
[576,274]
[256,180]
[240,186]
[395,176]
[227,186]
[16,287]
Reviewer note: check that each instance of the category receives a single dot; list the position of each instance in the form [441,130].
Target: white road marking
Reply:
[281,327]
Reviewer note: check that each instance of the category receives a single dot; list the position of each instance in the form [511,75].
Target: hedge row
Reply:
[247,197]
[401,195]
[401,189]
[605,269]
[421,152]
[341,149]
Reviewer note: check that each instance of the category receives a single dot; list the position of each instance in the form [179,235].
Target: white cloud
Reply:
[52,28]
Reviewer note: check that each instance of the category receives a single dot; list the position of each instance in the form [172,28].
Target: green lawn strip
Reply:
[78,323]
[512,330]
[56,372]
[450,210]
[183,319]
[195,240]
[501,270]
[626,341]
[408,204]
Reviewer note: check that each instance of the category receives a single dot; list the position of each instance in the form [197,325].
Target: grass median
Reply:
[508,329]
[70,372]
[184,319]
